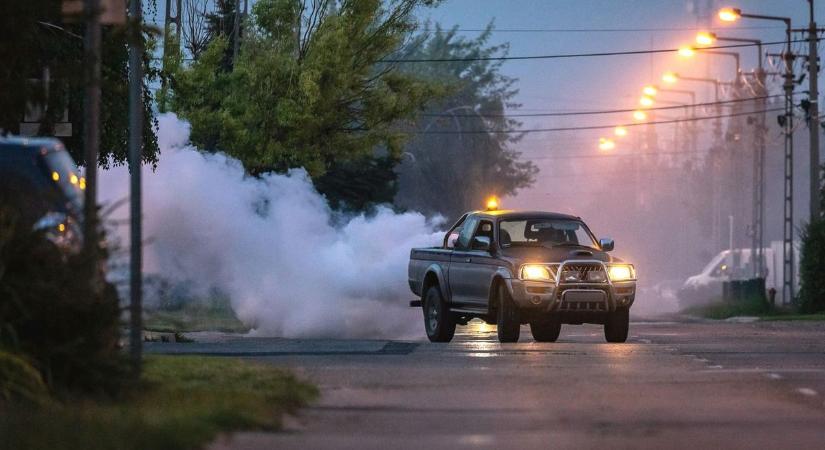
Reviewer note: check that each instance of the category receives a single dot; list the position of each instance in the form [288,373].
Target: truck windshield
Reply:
[545,232]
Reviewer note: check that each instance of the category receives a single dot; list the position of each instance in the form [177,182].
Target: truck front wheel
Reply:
[546,331]
[438,321]
[616,325]
[508,323]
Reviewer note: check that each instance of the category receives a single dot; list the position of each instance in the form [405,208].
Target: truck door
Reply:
[460,260]
[472,269]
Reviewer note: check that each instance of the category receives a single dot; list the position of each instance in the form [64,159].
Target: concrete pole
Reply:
[813,84]
[91,135]
[135,229]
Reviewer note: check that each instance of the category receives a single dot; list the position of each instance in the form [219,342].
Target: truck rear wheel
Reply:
[438,322]
[508,323]
[546,331]
[617,325]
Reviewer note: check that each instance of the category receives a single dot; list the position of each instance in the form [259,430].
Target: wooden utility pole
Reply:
[91,135]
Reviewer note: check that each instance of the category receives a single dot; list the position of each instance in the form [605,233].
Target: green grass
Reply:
[724,310]
[194,318]
[792,316]
[182,403]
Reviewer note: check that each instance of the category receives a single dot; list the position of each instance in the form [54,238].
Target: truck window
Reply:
[467,232]
[485,229]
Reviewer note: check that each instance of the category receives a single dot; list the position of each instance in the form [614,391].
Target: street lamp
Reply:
[606,144]
[620,131]
[731,15]
[706,38]
[689,52]
[639,115]
[650,90]
[646,101]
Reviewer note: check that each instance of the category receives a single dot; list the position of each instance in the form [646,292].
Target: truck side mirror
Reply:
[606,244]
[481,243]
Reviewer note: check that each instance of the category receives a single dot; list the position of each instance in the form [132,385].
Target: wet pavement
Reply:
[672,385]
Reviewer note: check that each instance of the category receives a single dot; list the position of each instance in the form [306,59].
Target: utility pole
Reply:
[813,126]
[788,280]
[135,144]
[91,135]
[169,19]
[236,32]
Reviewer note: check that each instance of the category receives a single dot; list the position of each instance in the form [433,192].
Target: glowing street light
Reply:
[705,38]
[606,144]
[646,101]
[686,52]
[650,90]
[670,77]
[639,115]
[730,14]
[620,131]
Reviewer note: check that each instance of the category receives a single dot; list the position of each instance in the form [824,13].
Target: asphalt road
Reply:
[673,385]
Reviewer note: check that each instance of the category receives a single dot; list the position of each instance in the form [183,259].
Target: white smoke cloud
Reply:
[270,244]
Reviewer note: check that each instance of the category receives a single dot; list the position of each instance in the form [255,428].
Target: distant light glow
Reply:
[705,38]
[686,52]
[620,131]
[670,77]
[640,115]
[55,176]
[646,101]
[82,183]
[650,90]
[61,227]
[73,179]
[606,144]
[729,14]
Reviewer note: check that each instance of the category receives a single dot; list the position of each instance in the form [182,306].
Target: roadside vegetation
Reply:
[180,403]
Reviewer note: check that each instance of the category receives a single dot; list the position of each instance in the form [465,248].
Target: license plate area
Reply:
[583,300]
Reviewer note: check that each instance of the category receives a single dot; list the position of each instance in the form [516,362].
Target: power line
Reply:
[577,55]
[603,30]
[604,111]
[596,127]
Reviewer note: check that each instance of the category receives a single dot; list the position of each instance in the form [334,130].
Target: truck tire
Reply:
[617,325]
[438,321]
[546,331]
[508,323]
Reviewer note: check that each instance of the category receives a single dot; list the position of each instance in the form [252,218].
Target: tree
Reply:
[309,88]
[42,44]
[462,151]
[196,35]
[811,262]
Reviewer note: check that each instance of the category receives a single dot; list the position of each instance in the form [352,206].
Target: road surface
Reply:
[673,385]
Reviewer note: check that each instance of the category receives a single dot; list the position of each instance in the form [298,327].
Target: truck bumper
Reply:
[540,297]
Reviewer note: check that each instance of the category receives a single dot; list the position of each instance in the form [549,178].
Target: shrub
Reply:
[50,313]
[811,265]
[19,381]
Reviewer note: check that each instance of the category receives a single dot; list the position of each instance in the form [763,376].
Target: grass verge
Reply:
[724,310]
[792,316]
[194,318]
[181,403]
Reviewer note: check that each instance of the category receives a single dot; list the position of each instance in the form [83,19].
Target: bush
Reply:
[50,313]
[19,381]
[811,265]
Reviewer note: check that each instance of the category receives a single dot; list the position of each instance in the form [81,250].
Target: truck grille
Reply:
[583,273]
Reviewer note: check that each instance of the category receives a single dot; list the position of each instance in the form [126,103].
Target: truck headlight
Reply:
[535,272]
[621,272]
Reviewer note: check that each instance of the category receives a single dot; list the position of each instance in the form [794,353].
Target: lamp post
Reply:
[758,207]
[731,15]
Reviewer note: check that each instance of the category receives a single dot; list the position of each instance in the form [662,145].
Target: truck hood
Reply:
[557,254]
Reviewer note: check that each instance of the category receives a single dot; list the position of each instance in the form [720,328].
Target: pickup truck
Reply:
[510,268]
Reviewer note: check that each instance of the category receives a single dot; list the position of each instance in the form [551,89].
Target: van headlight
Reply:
[621,272]
[536,272]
